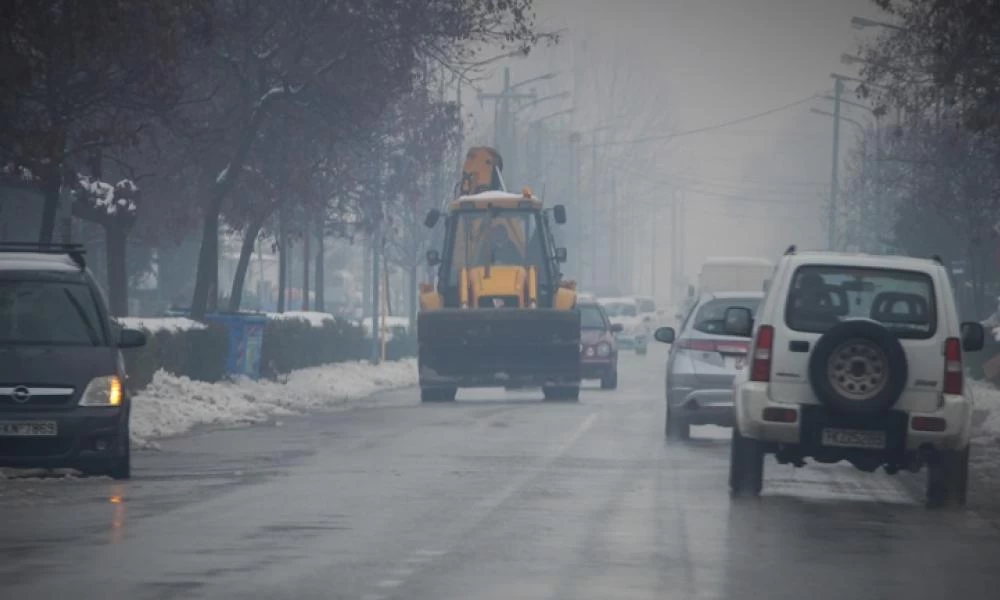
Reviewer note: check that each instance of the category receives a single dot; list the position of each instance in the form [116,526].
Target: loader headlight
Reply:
[603,349]
[589,352]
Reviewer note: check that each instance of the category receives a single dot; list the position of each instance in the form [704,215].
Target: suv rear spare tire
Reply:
[858,367]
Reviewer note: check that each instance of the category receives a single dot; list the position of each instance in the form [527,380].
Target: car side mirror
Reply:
[617,328]
[432,218]
[433,258]
[738,322]
[973,337]
[559,212]
[131,338]
[667,335]
[561,255]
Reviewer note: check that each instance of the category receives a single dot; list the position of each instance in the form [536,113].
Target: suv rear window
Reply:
[822,296]
[711,316]
[49,313]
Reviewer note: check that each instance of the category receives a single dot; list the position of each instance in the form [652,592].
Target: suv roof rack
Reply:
[76,252]
[791,250]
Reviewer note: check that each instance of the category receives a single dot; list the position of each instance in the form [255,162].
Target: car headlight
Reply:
[603,349]
[103,391]
[589,351]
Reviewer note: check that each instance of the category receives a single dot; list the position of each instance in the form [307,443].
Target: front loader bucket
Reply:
[499,347]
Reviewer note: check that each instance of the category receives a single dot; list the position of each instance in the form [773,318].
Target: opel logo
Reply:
[21,394]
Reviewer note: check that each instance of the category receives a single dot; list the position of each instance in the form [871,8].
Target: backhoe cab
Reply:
[500,314]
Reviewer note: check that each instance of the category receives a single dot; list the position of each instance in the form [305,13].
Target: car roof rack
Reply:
[791,250]
[76,252]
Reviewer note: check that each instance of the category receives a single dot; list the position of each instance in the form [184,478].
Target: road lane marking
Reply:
[389,583]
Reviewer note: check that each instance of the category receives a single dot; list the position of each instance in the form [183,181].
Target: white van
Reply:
[734,274]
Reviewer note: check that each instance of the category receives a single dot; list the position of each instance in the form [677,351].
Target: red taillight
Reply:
[953,366]
[697,345]
[780,415]
[761,367]
[710,346]
[928,424]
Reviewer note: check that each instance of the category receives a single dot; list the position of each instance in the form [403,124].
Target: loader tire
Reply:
[438,394]
[567,394]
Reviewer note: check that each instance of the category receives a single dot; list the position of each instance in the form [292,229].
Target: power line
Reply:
[655,138]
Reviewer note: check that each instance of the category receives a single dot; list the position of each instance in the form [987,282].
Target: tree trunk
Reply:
[306,251]
[282,263]
[246,253]
[115,237]
[320,267]
[207,280]
[50,208]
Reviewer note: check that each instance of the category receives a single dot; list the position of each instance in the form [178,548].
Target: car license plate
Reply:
[854,438]
[736,362]
[28,428]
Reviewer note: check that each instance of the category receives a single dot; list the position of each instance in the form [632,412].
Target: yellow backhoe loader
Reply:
[501,313]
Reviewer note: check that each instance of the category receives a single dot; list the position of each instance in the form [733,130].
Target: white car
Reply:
[635,331]
[855,358]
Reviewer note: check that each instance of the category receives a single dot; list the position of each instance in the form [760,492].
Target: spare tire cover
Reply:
[858,367]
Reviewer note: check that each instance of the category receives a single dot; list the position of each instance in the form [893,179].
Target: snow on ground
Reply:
[314,318]
[171,324]
[172,405]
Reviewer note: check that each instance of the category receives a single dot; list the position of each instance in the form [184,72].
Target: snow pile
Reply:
[172,405]
[171,324]
[111,198]
[315,319]
[987,400]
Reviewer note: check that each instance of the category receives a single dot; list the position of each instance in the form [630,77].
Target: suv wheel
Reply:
[858,367]
[948,479]
[746,466]
[676,427]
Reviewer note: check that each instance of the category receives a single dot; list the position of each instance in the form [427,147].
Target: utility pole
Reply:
[502,120]
[376,294]
[613,279]
[831,235]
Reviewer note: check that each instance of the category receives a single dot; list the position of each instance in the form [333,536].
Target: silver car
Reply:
[703,363]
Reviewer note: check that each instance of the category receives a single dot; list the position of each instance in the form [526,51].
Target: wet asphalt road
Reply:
[496,496]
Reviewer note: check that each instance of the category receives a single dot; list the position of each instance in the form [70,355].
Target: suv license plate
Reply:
[854,438]
[28,428]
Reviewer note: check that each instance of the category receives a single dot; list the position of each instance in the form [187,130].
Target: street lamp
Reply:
[864,23]
[544,77]
[540,100]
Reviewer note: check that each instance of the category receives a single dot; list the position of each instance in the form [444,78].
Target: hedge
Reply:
[289,344]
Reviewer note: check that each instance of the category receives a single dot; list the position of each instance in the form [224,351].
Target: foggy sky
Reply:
[707,62]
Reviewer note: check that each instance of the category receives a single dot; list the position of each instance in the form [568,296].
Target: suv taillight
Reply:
[953,366]
[760,370]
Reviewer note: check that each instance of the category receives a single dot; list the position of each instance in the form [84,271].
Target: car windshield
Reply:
[591,317]
[49,313]
[506,237]
[620,309]
[823,296]
[711,316]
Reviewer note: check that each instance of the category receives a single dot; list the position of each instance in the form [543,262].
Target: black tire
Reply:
[948,479]
[677,427]
[118,468]
[566,393]
[438,394]
[887,365]
[746,466]
[610,381]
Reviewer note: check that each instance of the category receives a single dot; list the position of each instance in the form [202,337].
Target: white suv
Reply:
[857,358]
